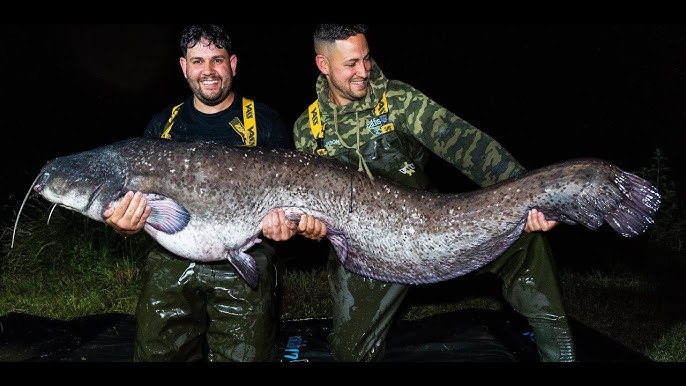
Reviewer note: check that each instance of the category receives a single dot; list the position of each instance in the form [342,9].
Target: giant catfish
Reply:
[208,201]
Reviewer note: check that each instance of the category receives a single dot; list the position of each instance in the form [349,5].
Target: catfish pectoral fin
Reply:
[167,215]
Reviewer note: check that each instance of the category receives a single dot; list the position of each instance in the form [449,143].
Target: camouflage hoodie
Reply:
[395,144]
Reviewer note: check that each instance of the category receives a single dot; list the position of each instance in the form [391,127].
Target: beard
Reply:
[210,98]
[347,91]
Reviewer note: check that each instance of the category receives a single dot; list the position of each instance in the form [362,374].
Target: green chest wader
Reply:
[191,311]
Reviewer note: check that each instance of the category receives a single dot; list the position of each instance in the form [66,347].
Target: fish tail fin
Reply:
[636,210]
[625,201]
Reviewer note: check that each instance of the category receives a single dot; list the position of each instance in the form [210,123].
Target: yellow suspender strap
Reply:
[249,134]
[382,107]
[170,122]
[246,129]
[315,120]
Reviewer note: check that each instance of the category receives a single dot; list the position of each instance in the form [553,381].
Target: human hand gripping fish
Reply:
[208,201]
[129,217]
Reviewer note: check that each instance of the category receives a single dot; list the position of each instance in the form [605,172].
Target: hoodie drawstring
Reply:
[362,165]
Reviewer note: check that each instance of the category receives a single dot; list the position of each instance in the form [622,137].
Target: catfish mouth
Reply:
[38,185]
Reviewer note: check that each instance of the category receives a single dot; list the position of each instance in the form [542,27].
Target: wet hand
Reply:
[277,227]
[536,222]
[311,227]
[129,216]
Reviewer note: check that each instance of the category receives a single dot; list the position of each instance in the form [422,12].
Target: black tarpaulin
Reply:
[471,335]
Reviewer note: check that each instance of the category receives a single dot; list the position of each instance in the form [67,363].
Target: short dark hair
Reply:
[329,33]
[213,33]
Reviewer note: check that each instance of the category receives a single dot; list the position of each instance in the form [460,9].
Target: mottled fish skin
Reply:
[208,202]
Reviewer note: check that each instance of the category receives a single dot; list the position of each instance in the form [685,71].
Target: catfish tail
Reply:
[596,192]
[636,211]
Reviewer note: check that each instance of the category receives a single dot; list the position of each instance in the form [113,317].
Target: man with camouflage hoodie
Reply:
[388,128]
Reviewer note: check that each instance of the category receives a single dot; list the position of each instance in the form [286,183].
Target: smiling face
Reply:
[209,71]
[346,65]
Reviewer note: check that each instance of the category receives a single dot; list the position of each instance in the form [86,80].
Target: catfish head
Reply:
[84,182]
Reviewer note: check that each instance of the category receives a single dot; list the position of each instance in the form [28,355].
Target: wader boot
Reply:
[192,311]
[530,286]
[363,312]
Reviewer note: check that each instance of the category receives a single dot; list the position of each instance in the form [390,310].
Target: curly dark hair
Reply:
[213,33]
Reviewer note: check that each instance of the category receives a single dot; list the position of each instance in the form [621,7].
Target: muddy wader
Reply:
[188,312]
[530,287]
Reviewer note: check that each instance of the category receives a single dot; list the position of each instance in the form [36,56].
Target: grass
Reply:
[75,267]
[72,262]
[624,306]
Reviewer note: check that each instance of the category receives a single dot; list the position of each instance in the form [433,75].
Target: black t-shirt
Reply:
[191,124]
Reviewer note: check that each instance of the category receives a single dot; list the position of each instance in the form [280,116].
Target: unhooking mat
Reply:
[472,335]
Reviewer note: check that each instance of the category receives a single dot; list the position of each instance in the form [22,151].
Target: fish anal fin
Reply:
[246,267]
[554,215]
[340,244]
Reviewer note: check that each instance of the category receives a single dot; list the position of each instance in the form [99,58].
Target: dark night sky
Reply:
[546,92]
